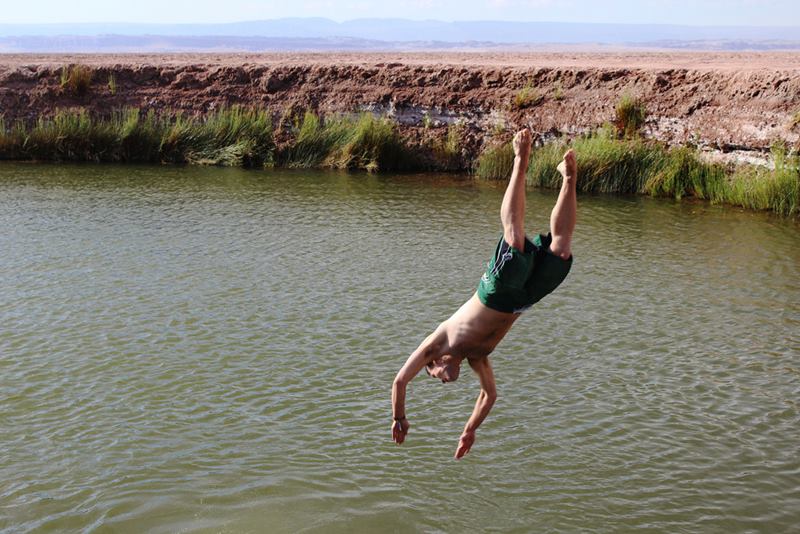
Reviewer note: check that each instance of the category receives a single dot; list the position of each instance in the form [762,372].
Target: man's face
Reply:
[445,368]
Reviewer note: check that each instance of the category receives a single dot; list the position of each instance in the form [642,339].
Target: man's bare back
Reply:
[511,283]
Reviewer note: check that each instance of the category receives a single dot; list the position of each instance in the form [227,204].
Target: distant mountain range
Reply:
[380,34]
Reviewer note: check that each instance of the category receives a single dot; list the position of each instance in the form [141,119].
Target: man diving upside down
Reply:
[519,274]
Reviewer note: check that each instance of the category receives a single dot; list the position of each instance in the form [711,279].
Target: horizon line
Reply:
[429,20]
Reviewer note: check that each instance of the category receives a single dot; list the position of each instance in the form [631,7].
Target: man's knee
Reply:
[514,237]
[561,246]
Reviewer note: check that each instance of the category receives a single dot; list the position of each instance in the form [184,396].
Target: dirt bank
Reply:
[727,101]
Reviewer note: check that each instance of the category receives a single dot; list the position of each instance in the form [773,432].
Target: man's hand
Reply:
[465,443]
[522,144]
[399,430]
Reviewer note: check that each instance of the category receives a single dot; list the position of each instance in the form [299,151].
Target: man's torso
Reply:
[475,330]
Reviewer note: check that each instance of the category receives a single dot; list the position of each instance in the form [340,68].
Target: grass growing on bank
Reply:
[631,114]
[763,189]
[611,165]
[239,136]
[446,152]
[345,142]
[527,97]
[496,162]
[76,79]
[233,136]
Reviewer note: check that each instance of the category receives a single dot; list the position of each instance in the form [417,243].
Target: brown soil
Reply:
[723,100]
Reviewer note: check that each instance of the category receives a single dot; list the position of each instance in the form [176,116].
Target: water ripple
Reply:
[211,350]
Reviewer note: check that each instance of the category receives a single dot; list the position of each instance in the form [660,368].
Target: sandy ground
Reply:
[564,58]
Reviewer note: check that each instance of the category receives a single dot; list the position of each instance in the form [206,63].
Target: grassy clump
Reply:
[496,162]
[558,93]
[236,137]
[76,79]
[374,145]
[681,173]
[233,136]
[447,151]
[607,165]
[67,136]
[527,97]
[316,140]
[112,84]
[631,113]
[759,188]
[11,140]
[140,136]
[364,142]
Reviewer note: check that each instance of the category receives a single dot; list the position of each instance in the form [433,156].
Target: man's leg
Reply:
[512,211]
[564,214]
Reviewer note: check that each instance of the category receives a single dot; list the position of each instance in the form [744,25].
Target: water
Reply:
[207,350]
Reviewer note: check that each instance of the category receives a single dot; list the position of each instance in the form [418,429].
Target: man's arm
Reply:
[429,349]
[483,405]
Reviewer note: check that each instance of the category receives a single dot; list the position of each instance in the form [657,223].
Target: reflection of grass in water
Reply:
[611,165]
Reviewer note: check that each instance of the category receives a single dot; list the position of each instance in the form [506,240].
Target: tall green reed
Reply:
[364,142]
[232,136]
[776,190]
[496,162]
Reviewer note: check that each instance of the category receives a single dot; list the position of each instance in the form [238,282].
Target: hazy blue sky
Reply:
[695,12]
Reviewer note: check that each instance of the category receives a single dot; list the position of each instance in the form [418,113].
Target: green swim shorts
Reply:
[515,280]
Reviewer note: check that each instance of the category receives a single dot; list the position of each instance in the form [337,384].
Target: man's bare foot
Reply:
[568,166]
[522,144]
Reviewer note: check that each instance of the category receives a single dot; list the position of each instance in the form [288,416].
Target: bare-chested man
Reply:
[519,274]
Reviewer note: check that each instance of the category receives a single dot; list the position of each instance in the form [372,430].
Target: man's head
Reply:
[445,368]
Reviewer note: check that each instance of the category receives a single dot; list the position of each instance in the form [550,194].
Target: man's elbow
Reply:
[400,382]
[490,396]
